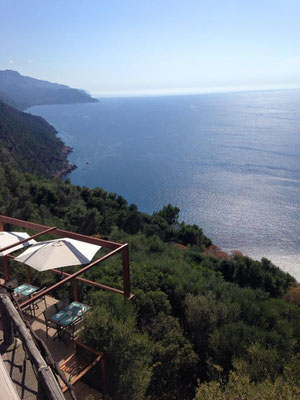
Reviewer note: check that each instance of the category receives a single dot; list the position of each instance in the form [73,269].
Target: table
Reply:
[69,315]
[24,290]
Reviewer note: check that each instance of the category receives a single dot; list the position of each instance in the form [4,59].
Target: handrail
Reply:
[92,283]
[79,343]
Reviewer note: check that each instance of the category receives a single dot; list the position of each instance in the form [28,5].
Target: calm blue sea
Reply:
[231,162]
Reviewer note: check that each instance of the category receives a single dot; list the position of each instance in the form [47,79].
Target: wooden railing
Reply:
[42,229]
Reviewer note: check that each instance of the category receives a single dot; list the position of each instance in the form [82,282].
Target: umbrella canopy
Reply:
[58,253]
[8,238]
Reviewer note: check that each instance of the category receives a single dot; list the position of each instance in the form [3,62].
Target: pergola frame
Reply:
[42,229]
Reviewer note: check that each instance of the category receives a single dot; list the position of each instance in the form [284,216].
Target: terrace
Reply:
[60,345]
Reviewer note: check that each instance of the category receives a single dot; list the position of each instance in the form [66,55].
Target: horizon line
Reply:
[190,91]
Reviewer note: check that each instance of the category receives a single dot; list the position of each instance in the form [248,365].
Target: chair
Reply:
[73,329]
[8,286]
[38,301]
[11,283]
[80,362]
[52,310]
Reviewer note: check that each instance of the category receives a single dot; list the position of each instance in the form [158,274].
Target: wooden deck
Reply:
[20,368]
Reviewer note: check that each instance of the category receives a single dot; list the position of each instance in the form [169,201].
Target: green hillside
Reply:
[30,144]
[195,319]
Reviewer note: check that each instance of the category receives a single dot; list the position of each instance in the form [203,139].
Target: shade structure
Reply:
[8,238]
[58,253]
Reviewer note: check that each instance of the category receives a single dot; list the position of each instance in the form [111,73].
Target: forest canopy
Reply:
[198,325]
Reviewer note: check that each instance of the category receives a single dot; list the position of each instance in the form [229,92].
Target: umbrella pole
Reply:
[61,278]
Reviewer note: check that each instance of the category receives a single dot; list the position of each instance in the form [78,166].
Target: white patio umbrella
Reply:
[58,253]
[8,238]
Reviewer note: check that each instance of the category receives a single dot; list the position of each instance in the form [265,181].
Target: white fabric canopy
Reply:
[8,238]
[58,253]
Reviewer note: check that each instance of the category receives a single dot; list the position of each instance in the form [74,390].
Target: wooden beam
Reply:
[60,232]
[92,283]
[7,326]
[49,387]
[116,247]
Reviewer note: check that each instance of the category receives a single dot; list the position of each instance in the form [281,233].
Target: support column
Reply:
[28,275]
[75,289]
[126,273]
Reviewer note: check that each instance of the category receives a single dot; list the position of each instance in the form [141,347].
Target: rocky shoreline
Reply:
[67,168]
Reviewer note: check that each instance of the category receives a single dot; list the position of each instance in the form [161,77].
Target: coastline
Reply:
[246,178]
[66,150]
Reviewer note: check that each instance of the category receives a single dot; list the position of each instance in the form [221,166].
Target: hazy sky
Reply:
[126,46]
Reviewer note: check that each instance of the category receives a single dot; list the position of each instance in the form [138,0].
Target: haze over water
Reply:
[230,161]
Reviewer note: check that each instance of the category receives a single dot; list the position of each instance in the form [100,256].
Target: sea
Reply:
[229,161]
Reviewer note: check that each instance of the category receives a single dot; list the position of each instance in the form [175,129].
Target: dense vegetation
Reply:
[23,92]
[30,144]
[214,328]
[5,99]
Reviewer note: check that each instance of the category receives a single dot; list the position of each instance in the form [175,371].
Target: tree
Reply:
[170,214]
[133,223]
[127,352]
[175,362]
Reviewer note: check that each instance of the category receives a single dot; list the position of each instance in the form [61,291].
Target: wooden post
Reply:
[28,275]
[7,325]
[48,388]
[126,274]
[48,385]
[41,395]
[75,289]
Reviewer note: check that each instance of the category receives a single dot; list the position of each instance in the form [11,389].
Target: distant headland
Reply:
[23,92]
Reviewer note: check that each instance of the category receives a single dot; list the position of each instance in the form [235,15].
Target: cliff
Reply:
[30,144]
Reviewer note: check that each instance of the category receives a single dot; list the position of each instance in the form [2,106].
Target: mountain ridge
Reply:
[24,91]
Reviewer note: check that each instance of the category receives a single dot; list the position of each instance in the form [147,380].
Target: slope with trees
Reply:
[30,144]
[197,326]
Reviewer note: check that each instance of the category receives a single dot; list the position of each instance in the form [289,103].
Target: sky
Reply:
[124,47]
